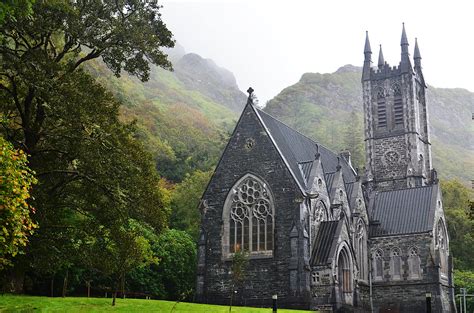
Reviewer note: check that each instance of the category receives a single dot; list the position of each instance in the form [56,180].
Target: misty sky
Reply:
[269,44]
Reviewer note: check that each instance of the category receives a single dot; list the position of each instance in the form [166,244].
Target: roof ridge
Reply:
[407,188]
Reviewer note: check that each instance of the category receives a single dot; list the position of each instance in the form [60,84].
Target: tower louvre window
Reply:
[381,113]
[398,110]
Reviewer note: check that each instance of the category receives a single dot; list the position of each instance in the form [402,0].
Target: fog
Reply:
[269,44]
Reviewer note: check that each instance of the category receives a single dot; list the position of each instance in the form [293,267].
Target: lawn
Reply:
[24,304]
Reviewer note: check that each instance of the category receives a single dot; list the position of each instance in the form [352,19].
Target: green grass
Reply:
[10,303]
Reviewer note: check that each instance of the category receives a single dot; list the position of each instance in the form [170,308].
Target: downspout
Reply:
[370,286]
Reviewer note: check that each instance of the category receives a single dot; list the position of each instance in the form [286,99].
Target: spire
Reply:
[405,64]
[381,59]
[367,58]
[416,54]
[367,49]
[404,40]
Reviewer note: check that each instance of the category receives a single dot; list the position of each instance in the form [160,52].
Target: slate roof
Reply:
[403,211]
[325,242]
[298,150]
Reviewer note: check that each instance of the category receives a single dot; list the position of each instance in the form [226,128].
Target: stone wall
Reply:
[408,294]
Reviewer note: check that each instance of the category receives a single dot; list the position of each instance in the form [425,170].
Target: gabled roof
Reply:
[325,242]
[299,151]
[403,211]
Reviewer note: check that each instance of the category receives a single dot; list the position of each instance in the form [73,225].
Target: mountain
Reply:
[322,105]
[184,116]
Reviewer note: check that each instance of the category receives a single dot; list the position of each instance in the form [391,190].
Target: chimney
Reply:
[347,156]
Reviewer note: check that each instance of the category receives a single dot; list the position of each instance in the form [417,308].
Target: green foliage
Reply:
[174,276]
[185,201]
[465,279]
[16,180]
[239,265]
[457,201]
[15,8]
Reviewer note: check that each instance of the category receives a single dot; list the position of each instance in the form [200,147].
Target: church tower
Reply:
[397,141]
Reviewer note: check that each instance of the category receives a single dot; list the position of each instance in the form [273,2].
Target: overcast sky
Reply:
[269,44]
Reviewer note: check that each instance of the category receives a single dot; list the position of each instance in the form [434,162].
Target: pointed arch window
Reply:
[414,263]
[361,249]
[378,264]
[442,246]
[318,214]
[381,108]
[395,264]
[249,218]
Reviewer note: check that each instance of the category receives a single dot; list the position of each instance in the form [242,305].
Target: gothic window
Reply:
[248,218]
[395,263]
[414,264]
[361,250]
[318,214]
[442,246]
[378,264]
[381,109]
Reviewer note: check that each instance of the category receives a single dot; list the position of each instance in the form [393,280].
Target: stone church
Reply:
[317,233]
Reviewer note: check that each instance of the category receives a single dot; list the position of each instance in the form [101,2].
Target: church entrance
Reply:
[345,277]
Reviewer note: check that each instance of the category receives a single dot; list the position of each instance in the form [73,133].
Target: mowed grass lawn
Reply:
[24,304]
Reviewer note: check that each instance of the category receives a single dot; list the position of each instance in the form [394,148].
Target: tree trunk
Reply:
[114,292]
[123,286]
[88,284]
[65,283]
[52,286]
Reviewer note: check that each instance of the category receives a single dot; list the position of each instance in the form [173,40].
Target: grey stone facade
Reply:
[317,234]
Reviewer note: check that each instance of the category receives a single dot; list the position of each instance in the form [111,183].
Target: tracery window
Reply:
[248,217]
[414,263]
[378,265]
[395,263]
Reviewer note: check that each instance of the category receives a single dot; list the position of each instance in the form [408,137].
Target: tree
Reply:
[239,266]
[457,201]
[185,201]
[16,180]
[89,165]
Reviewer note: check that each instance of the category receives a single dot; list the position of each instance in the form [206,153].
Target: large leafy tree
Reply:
[89,165]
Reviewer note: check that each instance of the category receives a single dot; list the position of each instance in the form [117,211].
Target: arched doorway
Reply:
[344,276]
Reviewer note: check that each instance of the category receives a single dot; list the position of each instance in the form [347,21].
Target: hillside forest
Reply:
[110,132]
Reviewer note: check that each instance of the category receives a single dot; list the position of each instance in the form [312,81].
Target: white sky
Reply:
[269,44]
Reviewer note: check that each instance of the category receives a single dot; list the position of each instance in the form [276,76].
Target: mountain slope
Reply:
[184,116]
[320,106]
